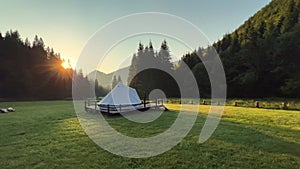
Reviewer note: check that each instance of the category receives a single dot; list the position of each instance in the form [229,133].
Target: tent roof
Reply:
[121,95]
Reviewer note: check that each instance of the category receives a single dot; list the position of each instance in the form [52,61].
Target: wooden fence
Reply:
[288,104]
[91,105]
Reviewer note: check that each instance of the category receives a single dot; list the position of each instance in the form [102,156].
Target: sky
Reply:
[68,25]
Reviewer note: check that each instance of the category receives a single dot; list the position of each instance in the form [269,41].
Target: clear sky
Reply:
[66,25]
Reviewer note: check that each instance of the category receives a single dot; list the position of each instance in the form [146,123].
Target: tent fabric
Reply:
[121,95]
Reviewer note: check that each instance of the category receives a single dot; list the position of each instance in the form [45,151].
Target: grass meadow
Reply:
[47,134]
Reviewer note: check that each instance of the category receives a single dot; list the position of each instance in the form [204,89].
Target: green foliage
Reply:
[100,91]
[150,70]
[115,81]
[191,59]
[31,72]
[196,62]
[34,72]
[262,56]
[292,86]
[202,79]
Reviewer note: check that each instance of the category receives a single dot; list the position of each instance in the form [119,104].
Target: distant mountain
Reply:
[123,73]
[105,80]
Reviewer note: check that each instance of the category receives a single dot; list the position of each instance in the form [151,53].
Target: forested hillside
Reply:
[33,71]
[261,57]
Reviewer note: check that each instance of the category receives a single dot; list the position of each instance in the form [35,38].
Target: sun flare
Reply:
[65,65]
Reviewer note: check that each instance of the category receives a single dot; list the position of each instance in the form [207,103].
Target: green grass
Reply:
[267,103]
[48,135]
[270,103]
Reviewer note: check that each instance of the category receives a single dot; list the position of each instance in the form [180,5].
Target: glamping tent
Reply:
[121,99]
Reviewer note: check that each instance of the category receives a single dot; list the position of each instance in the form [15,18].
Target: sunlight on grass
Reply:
[48,135]
[286,122]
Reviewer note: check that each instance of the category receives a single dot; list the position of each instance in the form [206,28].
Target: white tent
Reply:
[121,98]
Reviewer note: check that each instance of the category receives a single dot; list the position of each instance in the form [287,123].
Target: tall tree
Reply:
[114,82]
[35,72]
[164,56]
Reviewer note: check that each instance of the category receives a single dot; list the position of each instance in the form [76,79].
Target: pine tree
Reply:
[119,79]
[35,42]
[27,42]
[164,56]
[114,82]
[132,69]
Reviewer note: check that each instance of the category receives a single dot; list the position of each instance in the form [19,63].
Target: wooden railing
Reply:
[277,103]
[91,105]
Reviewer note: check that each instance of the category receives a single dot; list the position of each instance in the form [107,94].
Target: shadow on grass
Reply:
[258,137]
[48,134]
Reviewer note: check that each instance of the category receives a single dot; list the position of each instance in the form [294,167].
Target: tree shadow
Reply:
[259,137]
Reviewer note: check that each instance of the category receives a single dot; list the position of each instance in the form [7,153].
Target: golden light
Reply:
[65,65]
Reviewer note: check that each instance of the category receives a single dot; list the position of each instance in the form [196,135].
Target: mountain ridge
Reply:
[105,79]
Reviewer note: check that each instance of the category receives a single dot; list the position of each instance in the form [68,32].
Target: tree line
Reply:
[260,58]
[151,70]
[33,71]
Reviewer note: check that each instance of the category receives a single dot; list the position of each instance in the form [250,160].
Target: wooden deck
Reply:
[91,106]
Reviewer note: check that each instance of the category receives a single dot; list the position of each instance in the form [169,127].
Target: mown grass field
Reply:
[267,103]
[47,134]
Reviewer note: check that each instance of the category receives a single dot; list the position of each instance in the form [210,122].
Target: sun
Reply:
[65,65]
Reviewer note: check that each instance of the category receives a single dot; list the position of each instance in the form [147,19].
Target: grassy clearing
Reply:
[273,103]
[48,135]
[267,103]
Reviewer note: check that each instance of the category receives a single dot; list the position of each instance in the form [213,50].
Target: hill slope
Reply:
[105,80]
[261,57]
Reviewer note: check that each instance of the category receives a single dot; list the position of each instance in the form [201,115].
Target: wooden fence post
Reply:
[284,105]
[236,104]
[257,104]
